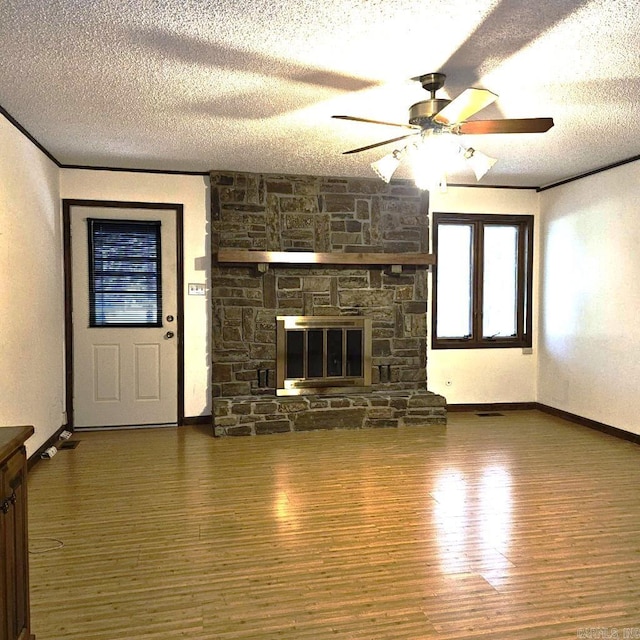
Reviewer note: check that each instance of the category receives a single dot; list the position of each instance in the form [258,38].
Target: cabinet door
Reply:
[15,544]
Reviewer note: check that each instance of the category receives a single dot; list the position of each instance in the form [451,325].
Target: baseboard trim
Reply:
[197,420]
[592,424]
[35,457]
[493,406]
[558,413]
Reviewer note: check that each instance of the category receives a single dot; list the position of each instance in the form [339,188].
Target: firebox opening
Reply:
[322,354]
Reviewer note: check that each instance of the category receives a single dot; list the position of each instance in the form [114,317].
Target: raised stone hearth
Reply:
[335,216]
[256,415]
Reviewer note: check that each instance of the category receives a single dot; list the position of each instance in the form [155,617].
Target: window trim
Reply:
[524,312]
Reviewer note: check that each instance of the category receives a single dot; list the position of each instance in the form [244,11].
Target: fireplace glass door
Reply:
[320,354]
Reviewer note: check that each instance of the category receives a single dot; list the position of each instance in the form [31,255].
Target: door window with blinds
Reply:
[125,273]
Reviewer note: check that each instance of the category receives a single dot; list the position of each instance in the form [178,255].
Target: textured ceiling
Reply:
[193,85]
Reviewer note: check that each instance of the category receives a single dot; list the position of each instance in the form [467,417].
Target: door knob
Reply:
[169,335]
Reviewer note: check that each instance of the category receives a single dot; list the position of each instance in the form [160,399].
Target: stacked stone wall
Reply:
[327,215]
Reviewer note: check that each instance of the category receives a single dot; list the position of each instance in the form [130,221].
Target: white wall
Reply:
[193,193]
[31,290]
[485,375]
[586,288]
[589,345]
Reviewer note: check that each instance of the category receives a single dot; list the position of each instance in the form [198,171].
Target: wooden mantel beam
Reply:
[243,256]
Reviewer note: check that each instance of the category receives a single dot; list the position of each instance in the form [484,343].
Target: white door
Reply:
[125,328]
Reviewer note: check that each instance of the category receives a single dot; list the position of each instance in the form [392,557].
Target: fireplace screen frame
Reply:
[326,384]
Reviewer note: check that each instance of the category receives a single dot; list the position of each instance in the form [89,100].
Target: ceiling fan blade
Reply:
[514,125]
[377,144]
[389,124]
[470,101]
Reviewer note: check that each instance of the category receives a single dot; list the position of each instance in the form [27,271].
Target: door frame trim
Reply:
[67,205]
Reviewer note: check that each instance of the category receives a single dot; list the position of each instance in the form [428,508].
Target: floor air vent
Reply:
[69,444]
[489,414]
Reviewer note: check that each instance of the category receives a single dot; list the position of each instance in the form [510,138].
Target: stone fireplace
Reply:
[348,258]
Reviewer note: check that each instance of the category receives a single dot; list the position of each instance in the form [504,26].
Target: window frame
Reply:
[524,302]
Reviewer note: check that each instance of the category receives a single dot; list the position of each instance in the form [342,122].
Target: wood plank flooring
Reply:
[519,526]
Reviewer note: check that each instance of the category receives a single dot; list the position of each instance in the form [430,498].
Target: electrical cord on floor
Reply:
[59,544]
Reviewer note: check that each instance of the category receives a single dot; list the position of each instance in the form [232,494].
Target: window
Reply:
[482,281]
[125,287]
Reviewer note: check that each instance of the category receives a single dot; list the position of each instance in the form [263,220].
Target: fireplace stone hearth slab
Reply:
[256,415]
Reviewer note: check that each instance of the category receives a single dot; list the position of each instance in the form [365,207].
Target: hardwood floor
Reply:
[520,526]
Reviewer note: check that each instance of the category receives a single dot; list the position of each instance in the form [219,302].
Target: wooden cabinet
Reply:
[14,553]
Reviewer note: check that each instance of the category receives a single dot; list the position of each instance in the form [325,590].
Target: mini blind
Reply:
[125,279]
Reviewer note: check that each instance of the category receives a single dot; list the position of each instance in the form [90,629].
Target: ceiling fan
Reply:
[430,118]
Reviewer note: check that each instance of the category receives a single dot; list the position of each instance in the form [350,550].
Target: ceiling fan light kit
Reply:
[387,165]
[430,155]
[434,123]
[478,161]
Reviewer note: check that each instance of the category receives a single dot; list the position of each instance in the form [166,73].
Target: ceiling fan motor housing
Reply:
[421,113]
